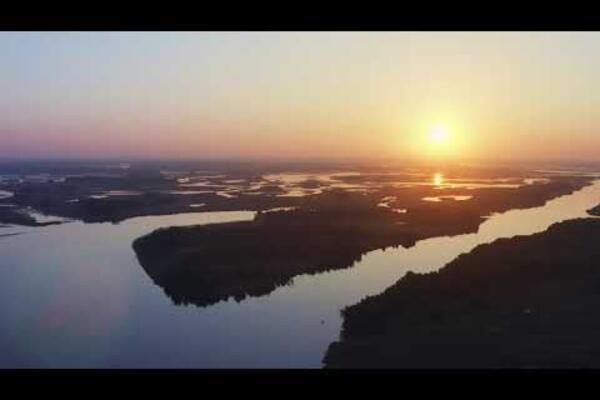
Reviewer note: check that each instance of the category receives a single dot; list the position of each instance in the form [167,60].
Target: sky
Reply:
[326,95]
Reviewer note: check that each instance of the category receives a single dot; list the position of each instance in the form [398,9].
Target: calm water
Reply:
[73,295]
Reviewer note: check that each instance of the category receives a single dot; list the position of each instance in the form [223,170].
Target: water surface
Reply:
[74,295]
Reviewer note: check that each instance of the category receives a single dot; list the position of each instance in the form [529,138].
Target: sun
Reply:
[438,140]
[439,134]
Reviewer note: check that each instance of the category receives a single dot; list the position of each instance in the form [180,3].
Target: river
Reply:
[74,295]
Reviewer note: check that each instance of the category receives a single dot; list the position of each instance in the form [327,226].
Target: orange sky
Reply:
[300,95]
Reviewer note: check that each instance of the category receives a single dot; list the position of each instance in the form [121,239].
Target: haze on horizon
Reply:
[505,95]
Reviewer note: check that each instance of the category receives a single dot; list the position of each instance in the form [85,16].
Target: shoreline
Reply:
[207,264]
[505,304]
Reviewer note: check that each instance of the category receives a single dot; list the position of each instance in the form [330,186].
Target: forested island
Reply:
[206,264]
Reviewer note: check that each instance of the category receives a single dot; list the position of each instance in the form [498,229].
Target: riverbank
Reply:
[524,302]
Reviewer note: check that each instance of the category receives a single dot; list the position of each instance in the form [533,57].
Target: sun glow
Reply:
[439,135]
[438,140]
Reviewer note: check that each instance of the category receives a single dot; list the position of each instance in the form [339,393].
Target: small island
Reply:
[595,211]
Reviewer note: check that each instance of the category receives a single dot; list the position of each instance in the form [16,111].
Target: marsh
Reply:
[74,294]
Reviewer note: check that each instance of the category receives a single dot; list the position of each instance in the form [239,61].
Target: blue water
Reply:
[74,295]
